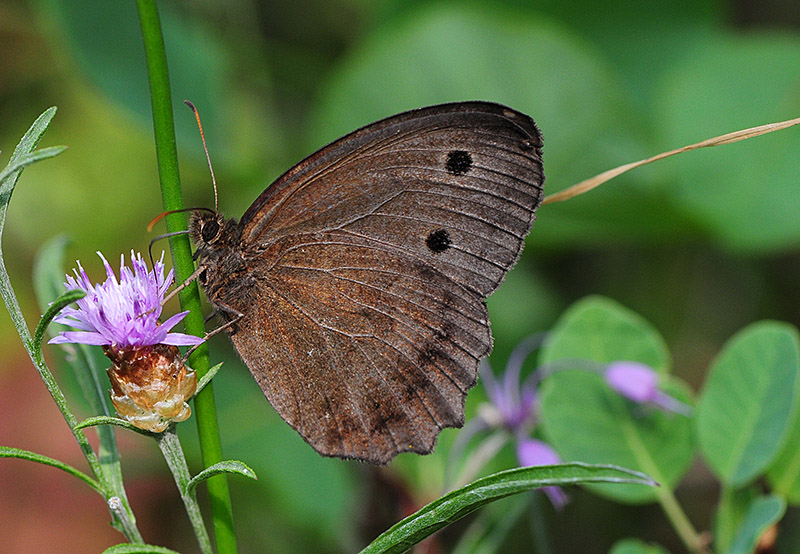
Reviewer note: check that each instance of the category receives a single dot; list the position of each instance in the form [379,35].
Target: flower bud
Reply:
[150,385]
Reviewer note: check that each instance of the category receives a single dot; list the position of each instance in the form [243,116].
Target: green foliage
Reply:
[455,505]
[633,546]
[742,420]
[8,452]
[762,513]
[608,84]
[747,404]
[585,420]
[226,466]
[135,548]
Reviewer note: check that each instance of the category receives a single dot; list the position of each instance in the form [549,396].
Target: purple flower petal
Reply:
[633,380]
[639,383]
[122,312]
[182,339]
[82,337]
[533,452]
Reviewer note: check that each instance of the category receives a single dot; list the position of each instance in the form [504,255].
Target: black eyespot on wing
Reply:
[438,241]
[458,162]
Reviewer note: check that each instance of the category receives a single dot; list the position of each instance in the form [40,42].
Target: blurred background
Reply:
[700,245]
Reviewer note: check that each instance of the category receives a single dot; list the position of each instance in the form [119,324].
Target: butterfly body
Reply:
[357,281]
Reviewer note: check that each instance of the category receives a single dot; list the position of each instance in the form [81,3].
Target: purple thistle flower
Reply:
[122,313]
[639,382]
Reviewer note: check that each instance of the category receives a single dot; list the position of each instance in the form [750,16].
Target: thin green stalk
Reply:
[204,407]
[173,453]
[112,490]
[680,522]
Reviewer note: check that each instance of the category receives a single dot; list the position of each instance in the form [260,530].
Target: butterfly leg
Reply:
[236,317]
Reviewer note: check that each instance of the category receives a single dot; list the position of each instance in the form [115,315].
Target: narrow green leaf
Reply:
[762,514]
[487,532]
[8,452]
[746,406]
[455,505]
[58,304]
[134,548]
[206,379]
[108,420]
[25,160]
[32,137]
[225,466]
[635,546]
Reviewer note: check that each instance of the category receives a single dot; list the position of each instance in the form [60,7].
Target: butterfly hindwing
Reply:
[361,274]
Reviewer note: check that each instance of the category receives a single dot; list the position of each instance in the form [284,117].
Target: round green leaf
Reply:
[746,194]
[447,53]
[761,515]
[784,473]
[635,546]
[601,330]
[586,421]
[745,409]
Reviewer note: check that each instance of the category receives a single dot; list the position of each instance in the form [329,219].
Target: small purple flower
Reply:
[533,452]
[639,382]
[512,411]
[122,313]
[512,405]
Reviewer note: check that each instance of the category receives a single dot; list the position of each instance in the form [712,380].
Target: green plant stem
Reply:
[164,129]
[170,447]
[111,488]
[680,522]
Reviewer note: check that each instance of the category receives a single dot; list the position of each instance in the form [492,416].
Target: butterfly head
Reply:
[214,236]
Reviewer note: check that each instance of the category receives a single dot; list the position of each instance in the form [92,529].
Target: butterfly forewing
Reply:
[362,274]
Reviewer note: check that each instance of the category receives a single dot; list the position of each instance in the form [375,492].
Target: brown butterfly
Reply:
[356,283]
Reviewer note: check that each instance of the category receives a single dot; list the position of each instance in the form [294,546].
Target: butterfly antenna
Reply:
[208,158]
[159,237]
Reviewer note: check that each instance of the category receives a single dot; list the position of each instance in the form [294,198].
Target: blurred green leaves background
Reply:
[701,245]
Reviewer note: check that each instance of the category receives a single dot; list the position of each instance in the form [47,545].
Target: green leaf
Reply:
[731,511]
[784,473]
[489,530]
[587,421]
[206,379]
[745,194]
[8,452]
[9,180]
[24,161]
[490,52]
[635,546]
[58,304]
[108,420]
[746,406]
[455,505]
[225,466]
[763,513]
[133,548]
[601,330]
